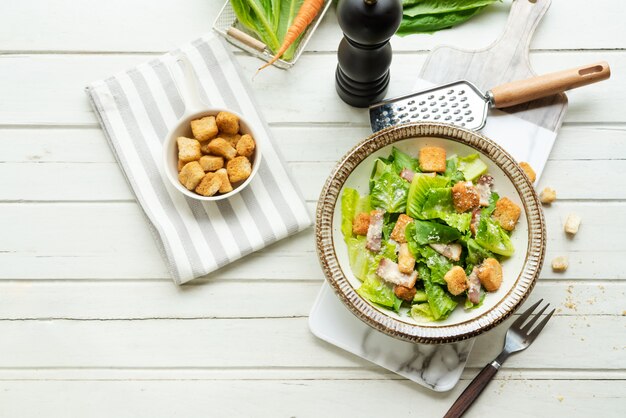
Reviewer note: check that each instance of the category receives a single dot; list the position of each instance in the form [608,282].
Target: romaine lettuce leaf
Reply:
[403,160]
[422,311]
[472,167]
[349,201]
[492,237]
[436,265]
[377,291]
[389,193]
[452,173]
[420,296]
[428,232]
[475,253]
[418,193]
[441,303]
[360,258]
[471,305]
[439,205]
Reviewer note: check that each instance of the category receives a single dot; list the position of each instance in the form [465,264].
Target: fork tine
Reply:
[527,326]
[524,316]
[538,328]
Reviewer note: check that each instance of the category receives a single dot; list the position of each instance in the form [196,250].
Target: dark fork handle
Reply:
[471,392]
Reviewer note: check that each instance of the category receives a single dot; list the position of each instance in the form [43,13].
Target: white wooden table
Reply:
[91,324]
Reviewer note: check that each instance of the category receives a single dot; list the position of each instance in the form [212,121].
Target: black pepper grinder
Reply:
[364,53]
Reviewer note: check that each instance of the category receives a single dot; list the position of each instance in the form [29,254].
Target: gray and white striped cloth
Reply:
[137,108]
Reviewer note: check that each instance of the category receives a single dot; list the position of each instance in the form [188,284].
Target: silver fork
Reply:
[518,337]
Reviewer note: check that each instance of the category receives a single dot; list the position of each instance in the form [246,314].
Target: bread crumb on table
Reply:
[560,263]
[572,223]
[529,171]
[547,195]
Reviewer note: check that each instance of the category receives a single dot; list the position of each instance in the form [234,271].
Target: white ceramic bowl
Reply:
[183,128]
[520,270]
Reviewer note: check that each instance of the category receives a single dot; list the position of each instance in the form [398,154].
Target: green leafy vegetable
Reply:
[427,16]
[440,302]
[475,253]
[491,236]
[403,160]
[269,20]
[349,201]
[472,167]
[452,172]
[439,205]
[471,305]
[420,296]
[389,193]
[418,193]
[427,232]
[422,311]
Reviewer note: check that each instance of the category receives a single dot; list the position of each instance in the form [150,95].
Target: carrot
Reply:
[308,10]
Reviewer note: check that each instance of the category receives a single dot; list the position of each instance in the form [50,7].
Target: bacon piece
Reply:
[473,292]
[375,231]
[483,185]
[475,220]
[451,251]
[407,174]
[390,272]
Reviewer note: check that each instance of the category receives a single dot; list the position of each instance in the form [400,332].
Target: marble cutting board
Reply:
[527,131]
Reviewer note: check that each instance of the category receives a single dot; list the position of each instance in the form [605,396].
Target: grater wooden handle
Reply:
[522,91]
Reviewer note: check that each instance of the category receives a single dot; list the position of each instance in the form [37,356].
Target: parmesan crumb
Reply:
[560,264]
[560,398]
[547,196]
[572,223]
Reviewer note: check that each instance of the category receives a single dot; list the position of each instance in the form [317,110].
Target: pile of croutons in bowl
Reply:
[217,158]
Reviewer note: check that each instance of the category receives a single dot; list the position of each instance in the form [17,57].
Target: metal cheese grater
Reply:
[462,104]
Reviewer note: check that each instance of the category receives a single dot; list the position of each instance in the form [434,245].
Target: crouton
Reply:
[233,139]
[529,171]
[225,187]
[465,196]
[490,274]
[560,263]
[227,123]
[456,280]
[405,293]
[204,129]
[547,195]
[239,169]
[361,223]
[180,166]
[188,149]
[572,223]
[204,147]
[507,213]
[398,230]
[222,147]
[406,261]
[245,146]
[211,162]
[209,185]
[432,159]
[191,174]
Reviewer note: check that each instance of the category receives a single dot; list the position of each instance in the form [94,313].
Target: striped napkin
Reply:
[138,107]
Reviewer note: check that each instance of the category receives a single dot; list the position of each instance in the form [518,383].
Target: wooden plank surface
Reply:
[92,325]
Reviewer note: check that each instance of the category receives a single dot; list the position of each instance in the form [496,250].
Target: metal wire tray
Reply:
[227,20]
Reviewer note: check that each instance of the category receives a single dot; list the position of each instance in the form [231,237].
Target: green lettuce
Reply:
[427,232]
[475,253]
[440,302]
[349,201]
[439,205]
[491,236]
[389,193]
[418,193]
[472,167]
[403,160]
[420,296]
[422,311]
[452,173]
